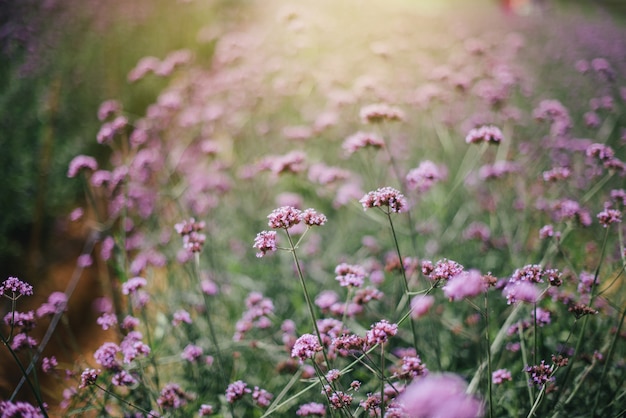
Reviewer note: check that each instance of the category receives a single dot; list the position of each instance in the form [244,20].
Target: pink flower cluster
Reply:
[385,197]
[486,133]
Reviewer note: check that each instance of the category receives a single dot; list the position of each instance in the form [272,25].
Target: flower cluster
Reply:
[385,197]
[487,133]
[193,239]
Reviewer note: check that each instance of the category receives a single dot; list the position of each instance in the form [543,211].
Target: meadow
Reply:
[410,209]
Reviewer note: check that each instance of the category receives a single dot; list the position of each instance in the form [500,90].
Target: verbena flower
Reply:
[420,305]
[80,163]
[425,176]
[466,284]
[284,217]
[539,375]
[380,332]
[172,396]
[13,288]
[439,395]
[133,284]
[236,391]
[500,376]
[385,197]
[265,242]
[487,133]
[360,140]
[305,347]
[377,113]
[350,275]
[262,397]
[311,409]
[609,216]
[88,377]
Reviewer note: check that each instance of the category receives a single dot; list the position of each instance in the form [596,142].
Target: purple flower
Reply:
[88,377]
[10,409]
[305,347]
[236,391]
[23,320]
[205,410]
[48,364]
[500,376]
[466,284]
[123,378]
[444,269]
[107,320]
[13,288]
[349,275]
[540,374]
[487,133]
[79,163]
[261,397]
[284,217]
[424,177]
[377,113]
[523,291]
[609,216]
[411,368]
[311,218]
[21,341]
[265,242]
[181,316]
[133,284]
[360,140]
[439,395]
[172,397]
[385,196]
[380,332]
[420,305]
[191,353]
[106,356]
[311,409]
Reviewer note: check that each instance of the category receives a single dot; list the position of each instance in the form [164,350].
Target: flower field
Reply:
[404,209]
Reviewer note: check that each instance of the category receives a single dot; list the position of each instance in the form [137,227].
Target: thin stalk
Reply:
[489,365]
[307,297]
[119,398]
[581,333]
[608,360]
[25,376]
[404,278]
[382,380]
[525,360]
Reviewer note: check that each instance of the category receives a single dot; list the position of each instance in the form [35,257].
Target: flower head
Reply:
[385,196]
[439,395]
[284,217]
[305,347]
[88,377]
[79,163]
[487,133]
[377,113]
[13,288]
[265,242]
[236,391]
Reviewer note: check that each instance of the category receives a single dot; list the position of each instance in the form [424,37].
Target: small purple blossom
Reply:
[311,218]
[181,316]
[420,305]
[205,410]
[88,377]
[48,364]
[487,133]
[425,176]
[236,391]
[439,395]
[305,347]
[311,409]
[106,356]
[350,275]
[172,396]
[540,374]
[21,341]
[133,284]
[265,242]
[500,376]
[191,353]
[13,288]
[609,216]
[385,196]
[261,397]
[107,320]
[79,163]
[284,217]
[380,112]
[362,140]
[380,332]
[521,291]
[466,284]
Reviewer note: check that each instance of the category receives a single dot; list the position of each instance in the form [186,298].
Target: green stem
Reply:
[489,365]
[25,375]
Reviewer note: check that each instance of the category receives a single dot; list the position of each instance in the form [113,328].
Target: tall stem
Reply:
[404,278]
